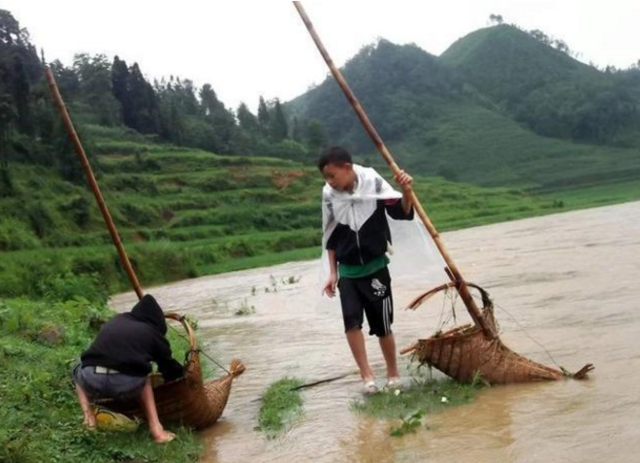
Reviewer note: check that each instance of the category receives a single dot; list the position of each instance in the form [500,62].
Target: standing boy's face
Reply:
[339,177]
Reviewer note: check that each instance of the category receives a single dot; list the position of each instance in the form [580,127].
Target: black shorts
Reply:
[370,295]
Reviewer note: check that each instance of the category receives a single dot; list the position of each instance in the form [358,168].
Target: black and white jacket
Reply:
[355,224]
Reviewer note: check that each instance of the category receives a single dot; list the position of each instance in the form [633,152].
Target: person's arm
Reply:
[401,209]
[169,367]
[406,183]
[330,286]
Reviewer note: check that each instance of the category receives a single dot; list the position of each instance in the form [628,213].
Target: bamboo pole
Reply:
[66,119]
[473,309]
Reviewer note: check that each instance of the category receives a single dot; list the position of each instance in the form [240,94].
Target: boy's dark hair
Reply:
[335,155]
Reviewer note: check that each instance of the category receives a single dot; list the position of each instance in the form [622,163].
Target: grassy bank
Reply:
[41,420]
[184,213]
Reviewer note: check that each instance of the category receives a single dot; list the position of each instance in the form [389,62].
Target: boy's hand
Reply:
[404,180]
[330,286]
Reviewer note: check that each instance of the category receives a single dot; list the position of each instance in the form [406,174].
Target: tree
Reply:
[120,88]
[6,118]
[540,36]
[278,129]
[263,117]
[562,46]
[316,139]
[219,118]
[94,74]
[296,132]
[144,110]
[66,79]
[209,100]
[184,95]
[10,32]
[496,19]
[247,120]
[20,90]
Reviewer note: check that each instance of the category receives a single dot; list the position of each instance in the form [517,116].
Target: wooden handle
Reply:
[408,350]
[473,309]
[68,124]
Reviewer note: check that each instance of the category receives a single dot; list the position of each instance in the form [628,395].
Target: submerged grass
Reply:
[411,405]
[430,396]
[280,405]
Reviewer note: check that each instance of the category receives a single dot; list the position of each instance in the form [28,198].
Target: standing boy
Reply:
[355,202]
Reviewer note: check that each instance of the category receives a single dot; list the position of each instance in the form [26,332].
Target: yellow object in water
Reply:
[108,420]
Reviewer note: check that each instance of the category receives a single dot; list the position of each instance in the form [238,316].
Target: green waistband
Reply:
[359,271]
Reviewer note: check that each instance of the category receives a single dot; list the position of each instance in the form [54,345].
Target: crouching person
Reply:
[118,362]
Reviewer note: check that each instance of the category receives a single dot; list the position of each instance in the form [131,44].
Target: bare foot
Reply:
[89,421]
[163,436]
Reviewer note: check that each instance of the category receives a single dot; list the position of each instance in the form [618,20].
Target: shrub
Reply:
[16,235]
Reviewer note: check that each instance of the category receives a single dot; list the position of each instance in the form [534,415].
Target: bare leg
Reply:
[149,405]
[356,343]
[89,417]
[388,346]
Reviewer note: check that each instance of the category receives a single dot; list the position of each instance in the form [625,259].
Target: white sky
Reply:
[245,49]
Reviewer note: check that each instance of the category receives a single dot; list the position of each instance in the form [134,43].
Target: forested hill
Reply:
[500,106]
[107,91]
[540,84]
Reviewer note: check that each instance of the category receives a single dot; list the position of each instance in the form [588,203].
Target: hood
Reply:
[148,310]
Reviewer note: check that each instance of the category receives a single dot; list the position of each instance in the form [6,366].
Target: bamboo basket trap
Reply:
[464,352]
[187,401]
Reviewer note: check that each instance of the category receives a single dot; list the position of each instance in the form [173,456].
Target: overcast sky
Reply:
[245,49]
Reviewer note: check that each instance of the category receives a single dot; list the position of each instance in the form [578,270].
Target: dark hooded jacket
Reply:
[130,341]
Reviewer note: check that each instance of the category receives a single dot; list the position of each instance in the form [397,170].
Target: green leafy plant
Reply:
[410,424]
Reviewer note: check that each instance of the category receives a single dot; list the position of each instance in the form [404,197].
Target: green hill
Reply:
[546,89]
[506,63]
[500,107]
[400,87]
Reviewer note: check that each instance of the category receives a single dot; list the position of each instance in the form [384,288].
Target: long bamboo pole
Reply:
[115,237]
[473,309]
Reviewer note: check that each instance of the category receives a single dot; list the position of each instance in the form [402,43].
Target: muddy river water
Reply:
[571,281]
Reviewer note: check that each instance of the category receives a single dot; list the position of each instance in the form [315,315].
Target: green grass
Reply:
[473,144]
[408,407]
[39,412]
[184,213]
[280,406]
[427,396]
[596,195]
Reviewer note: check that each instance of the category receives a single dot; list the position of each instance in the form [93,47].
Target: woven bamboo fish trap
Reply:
[187,401]
[465,353]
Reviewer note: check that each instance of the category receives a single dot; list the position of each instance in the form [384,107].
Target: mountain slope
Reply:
[482,115]
[547,90]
